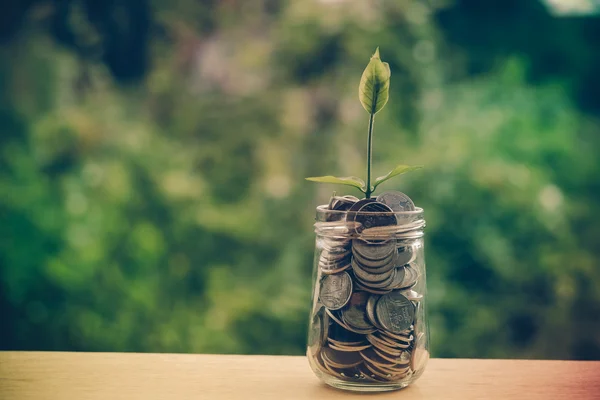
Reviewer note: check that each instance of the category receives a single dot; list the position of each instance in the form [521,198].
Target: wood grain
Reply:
[113,376]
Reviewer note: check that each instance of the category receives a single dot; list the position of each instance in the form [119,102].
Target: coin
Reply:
[342,203]
[377,267]
[410,277]
[370,213]
[403,359]
[334,254]
[397,201]
[371,357]
[364,288]
[386,376]
[400,341]
[371,310]
[356,347]
[346,374]
[373,250]
[405,255]
[354,315]
[395,312]
[335,290]
[318,361]
[385,284]
[368,375]
[405,336]
[334,245]
[316,333]
[369,277]
[334,266]
[335,269]
[341,359]
[384,346]
[399,277]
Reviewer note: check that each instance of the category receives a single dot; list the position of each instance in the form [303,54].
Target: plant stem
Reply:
[369,153]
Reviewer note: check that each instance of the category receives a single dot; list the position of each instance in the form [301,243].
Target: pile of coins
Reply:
[365,323]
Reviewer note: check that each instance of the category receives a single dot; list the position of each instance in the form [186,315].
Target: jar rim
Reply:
[323,209]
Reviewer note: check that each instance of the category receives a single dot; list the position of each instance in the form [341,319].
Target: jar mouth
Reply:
[370,225]
[323,211]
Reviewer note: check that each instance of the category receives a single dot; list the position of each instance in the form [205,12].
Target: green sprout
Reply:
[373,93]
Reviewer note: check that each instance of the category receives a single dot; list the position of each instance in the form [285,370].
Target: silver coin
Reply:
[314,334]
[405,255]
[355,314]
[334,245]
[337,319]
[385,284]
[333,264]
[350,348]
[360,286]
[399,277]
[342,203]
[335,290]
[334,267]
[411,277]
[373,250]
[397,201]
[391,348]
[329,270]
[379,373]
[375,267]
[339,203]
[405,336]
[371,311]
[395,312]
[367,276]
[329,261]
[402,360]
[370,213]
[340,359]
[373,358]
[317,333]
[368,376]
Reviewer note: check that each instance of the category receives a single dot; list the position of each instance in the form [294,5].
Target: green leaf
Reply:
[398,170]
[346,180]
[374,87]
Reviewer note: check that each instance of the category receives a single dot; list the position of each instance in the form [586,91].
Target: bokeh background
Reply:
[152,156]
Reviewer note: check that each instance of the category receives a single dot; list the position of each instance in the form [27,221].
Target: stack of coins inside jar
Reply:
[368,317]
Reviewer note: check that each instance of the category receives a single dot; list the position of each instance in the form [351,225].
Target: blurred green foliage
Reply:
[152,157]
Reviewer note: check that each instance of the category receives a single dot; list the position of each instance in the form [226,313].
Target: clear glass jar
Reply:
[368,329]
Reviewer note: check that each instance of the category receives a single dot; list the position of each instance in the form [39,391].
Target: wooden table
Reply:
[112,376]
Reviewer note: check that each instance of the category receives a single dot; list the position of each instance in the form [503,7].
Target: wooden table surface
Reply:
[112,376]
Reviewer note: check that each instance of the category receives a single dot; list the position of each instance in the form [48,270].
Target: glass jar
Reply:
[368,329]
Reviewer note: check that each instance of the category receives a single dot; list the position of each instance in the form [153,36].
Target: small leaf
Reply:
[374,87]
[398,170]
[346,180]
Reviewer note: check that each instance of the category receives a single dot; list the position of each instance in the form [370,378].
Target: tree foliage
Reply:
[151,170]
